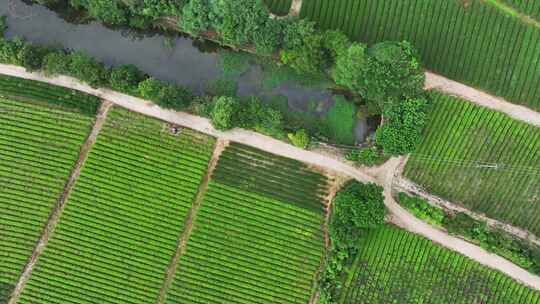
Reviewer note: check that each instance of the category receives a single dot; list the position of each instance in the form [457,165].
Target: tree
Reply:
[236,21]
[56,63]
[150,88]
[403,125]
[31,57]
[394,72]
[112,12]
[300,138]
[303,47]
[87,69]
[267,38]
[356,207]
[164,94]
[126,78]
[196,17]
[336,43]
[223,112]
[351,69]
[10,50]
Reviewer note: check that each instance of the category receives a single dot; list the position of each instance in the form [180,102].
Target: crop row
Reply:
[40,92]
[395,266]
[261,172]
[245,248]
[481,158]
[121,223]
[530,8]
[37,152]
[474,42]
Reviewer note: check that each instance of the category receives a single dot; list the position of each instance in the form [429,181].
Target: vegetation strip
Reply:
[57,211]
[220,145]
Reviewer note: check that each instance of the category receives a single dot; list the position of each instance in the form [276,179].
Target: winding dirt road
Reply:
[383,175]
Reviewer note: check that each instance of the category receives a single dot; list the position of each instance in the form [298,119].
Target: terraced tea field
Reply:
[395,266]
[39,145]
[253,243]
[470,41]
[481,158]
[279,7]
[120,226]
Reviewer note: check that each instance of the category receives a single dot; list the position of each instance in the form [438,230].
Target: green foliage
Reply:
[56,63]
[253,114]
[300,138]
[339,122]
[403,125]
[238,21]
[196,17]
[303,47]
[3,26]
[422,209]
[223,112]
[221,87]
[394,72]
[126,79]
[166,95]
[87,69]
[31,57]
[268,37]
[233,63]
[10,50]
[108,11]
[335,43]
[368,156]
[351,69]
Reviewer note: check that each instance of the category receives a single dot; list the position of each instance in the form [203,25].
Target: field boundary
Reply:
[513,12]
[219,146]
[59,206]
[382,175]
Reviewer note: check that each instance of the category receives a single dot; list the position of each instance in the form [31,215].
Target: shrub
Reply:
[10,50]
[31,57]
[403,125]
[165,95]
[300,138]
[268,38]
[422,209]
[351,69]
[233,63]
[221,87]
[195,17]
[237,21]
[303,47]
[126,78]
[112,12]
[369,156]
[335,43]
[56,63]
[223,112]
[87,69]
[339,122]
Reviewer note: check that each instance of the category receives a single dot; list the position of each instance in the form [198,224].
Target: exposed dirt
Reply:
[54,216]
[294,11]
[188,223]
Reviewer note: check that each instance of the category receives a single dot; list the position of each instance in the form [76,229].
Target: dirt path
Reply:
[188,225]
[434,81]
[294,11]
[57,211]
[383,175]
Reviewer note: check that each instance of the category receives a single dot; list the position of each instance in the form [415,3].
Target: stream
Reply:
[176,59]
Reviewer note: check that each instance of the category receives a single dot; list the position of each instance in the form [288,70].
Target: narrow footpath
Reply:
[383,175]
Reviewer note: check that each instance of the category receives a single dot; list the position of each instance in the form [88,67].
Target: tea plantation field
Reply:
[257,236]
[39,144]
[395,266]
[119,229]
[475,42]
[482,159]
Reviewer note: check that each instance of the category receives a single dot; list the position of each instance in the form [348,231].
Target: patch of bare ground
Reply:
[54,216]
[220,145]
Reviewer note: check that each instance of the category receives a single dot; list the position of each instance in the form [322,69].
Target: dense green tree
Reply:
[403,125]
[335,43]
[236,21]
[87,69]
[109,11]
[223,112]
[267,38]
[126,78]
[10,50]
[196,17]
[303,47]
[164,94]
[394,72]
[351,69]
[150,88]
[56,63]
[31,57]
